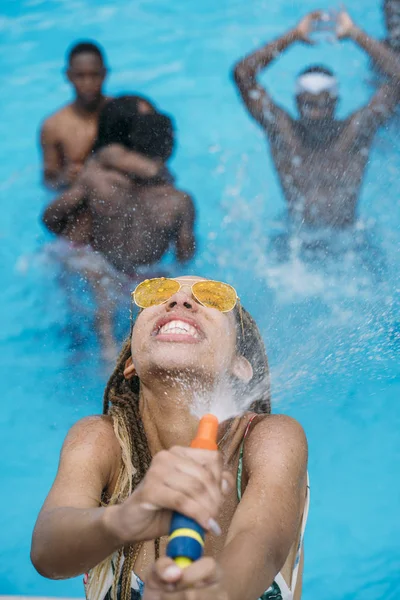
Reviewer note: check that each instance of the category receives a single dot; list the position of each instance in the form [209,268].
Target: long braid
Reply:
[123,396]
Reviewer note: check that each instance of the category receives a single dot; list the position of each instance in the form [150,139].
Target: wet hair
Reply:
[317,69]
[120,122]
[121,402]
[86,47]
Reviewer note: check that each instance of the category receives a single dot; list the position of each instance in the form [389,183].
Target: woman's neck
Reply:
[166,411]
[166,415]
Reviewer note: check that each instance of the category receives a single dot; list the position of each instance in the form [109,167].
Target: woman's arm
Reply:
[71,534]
[266,522]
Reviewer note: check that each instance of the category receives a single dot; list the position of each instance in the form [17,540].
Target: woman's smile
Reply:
[173,328]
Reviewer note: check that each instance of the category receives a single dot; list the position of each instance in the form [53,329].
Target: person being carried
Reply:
[121,475]
[68,135]
[320,160]
[135,211]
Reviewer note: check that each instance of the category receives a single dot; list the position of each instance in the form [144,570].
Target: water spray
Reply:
[186,537]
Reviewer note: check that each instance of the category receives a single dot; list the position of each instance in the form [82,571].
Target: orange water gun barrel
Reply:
[207,434]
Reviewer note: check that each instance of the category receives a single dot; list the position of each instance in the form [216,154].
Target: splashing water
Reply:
[226,401]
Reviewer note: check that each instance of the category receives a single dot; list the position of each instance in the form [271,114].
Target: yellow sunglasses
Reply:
[212,294]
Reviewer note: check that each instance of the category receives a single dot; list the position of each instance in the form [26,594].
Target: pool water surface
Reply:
[331,327]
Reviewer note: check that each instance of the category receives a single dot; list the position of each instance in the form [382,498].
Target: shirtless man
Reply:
[67,136]
[320,160]
[135,211]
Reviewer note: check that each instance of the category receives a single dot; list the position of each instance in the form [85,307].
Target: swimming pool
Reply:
[332,331]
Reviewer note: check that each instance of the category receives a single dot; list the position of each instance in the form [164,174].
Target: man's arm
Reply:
[258,102]
[58,212]
[384,102]
[56,175]
[267,521]
[185,242]
[52,158]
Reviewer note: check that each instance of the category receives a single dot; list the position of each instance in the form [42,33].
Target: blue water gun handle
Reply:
[186,540]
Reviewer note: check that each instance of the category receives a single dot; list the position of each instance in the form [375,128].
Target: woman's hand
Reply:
[185,480]
[203,578]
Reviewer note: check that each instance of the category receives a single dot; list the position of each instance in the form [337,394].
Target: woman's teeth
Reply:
[180,328]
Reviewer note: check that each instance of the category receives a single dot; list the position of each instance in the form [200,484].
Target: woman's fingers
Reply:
[161,496]
[163,572]
[208,459]
[192,483]
[207,495]
[227,482]
[212,461]
[202,573]
[163,575]
[185,480]
[199,581]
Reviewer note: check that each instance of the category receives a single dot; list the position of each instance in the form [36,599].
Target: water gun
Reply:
[186,537]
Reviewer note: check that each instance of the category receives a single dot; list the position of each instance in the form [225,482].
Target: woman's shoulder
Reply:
[277,435]
[96,432]
[275,422]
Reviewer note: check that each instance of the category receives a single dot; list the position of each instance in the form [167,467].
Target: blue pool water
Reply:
[332,330]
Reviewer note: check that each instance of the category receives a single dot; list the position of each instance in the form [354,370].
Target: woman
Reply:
[121,475]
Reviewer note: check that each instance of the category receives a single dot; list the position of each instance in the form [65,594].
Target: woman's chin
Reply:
[182,363]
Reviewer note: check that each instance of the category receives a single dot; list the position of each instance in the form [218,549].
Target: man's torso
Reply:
[74,134]
[321,181]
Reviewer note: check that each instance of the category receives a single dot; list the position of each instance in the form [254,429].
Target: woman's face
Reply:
[184,338]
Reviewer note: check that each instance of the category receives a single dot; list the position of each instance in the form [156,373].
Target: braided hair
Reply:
[121,402]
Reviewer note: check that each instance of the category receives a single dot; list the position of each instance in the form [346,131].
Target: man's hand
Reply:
[200,581]
[59,179]
[71,172]
[344,25]
[305,27]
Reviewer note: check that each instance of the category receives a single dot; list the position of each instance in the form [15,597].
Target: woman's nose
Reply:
[183,298]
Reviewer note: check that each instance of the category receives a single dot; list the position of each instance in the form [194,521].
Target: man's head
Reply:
[316,95]
[133,122]
[391,9]
[86,71]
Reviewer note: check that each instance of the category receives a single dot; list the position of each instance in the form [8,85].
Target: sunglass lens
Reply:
[215,294]
[155,291]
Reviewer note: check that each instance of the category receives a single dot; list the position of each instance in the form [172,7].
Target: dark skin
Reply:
[320,160]
[133,219]
[78,226]
[391,10]
[67,136]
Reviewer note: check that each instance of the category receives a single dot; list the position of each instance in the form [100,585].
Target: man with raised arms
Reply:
[320,159]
